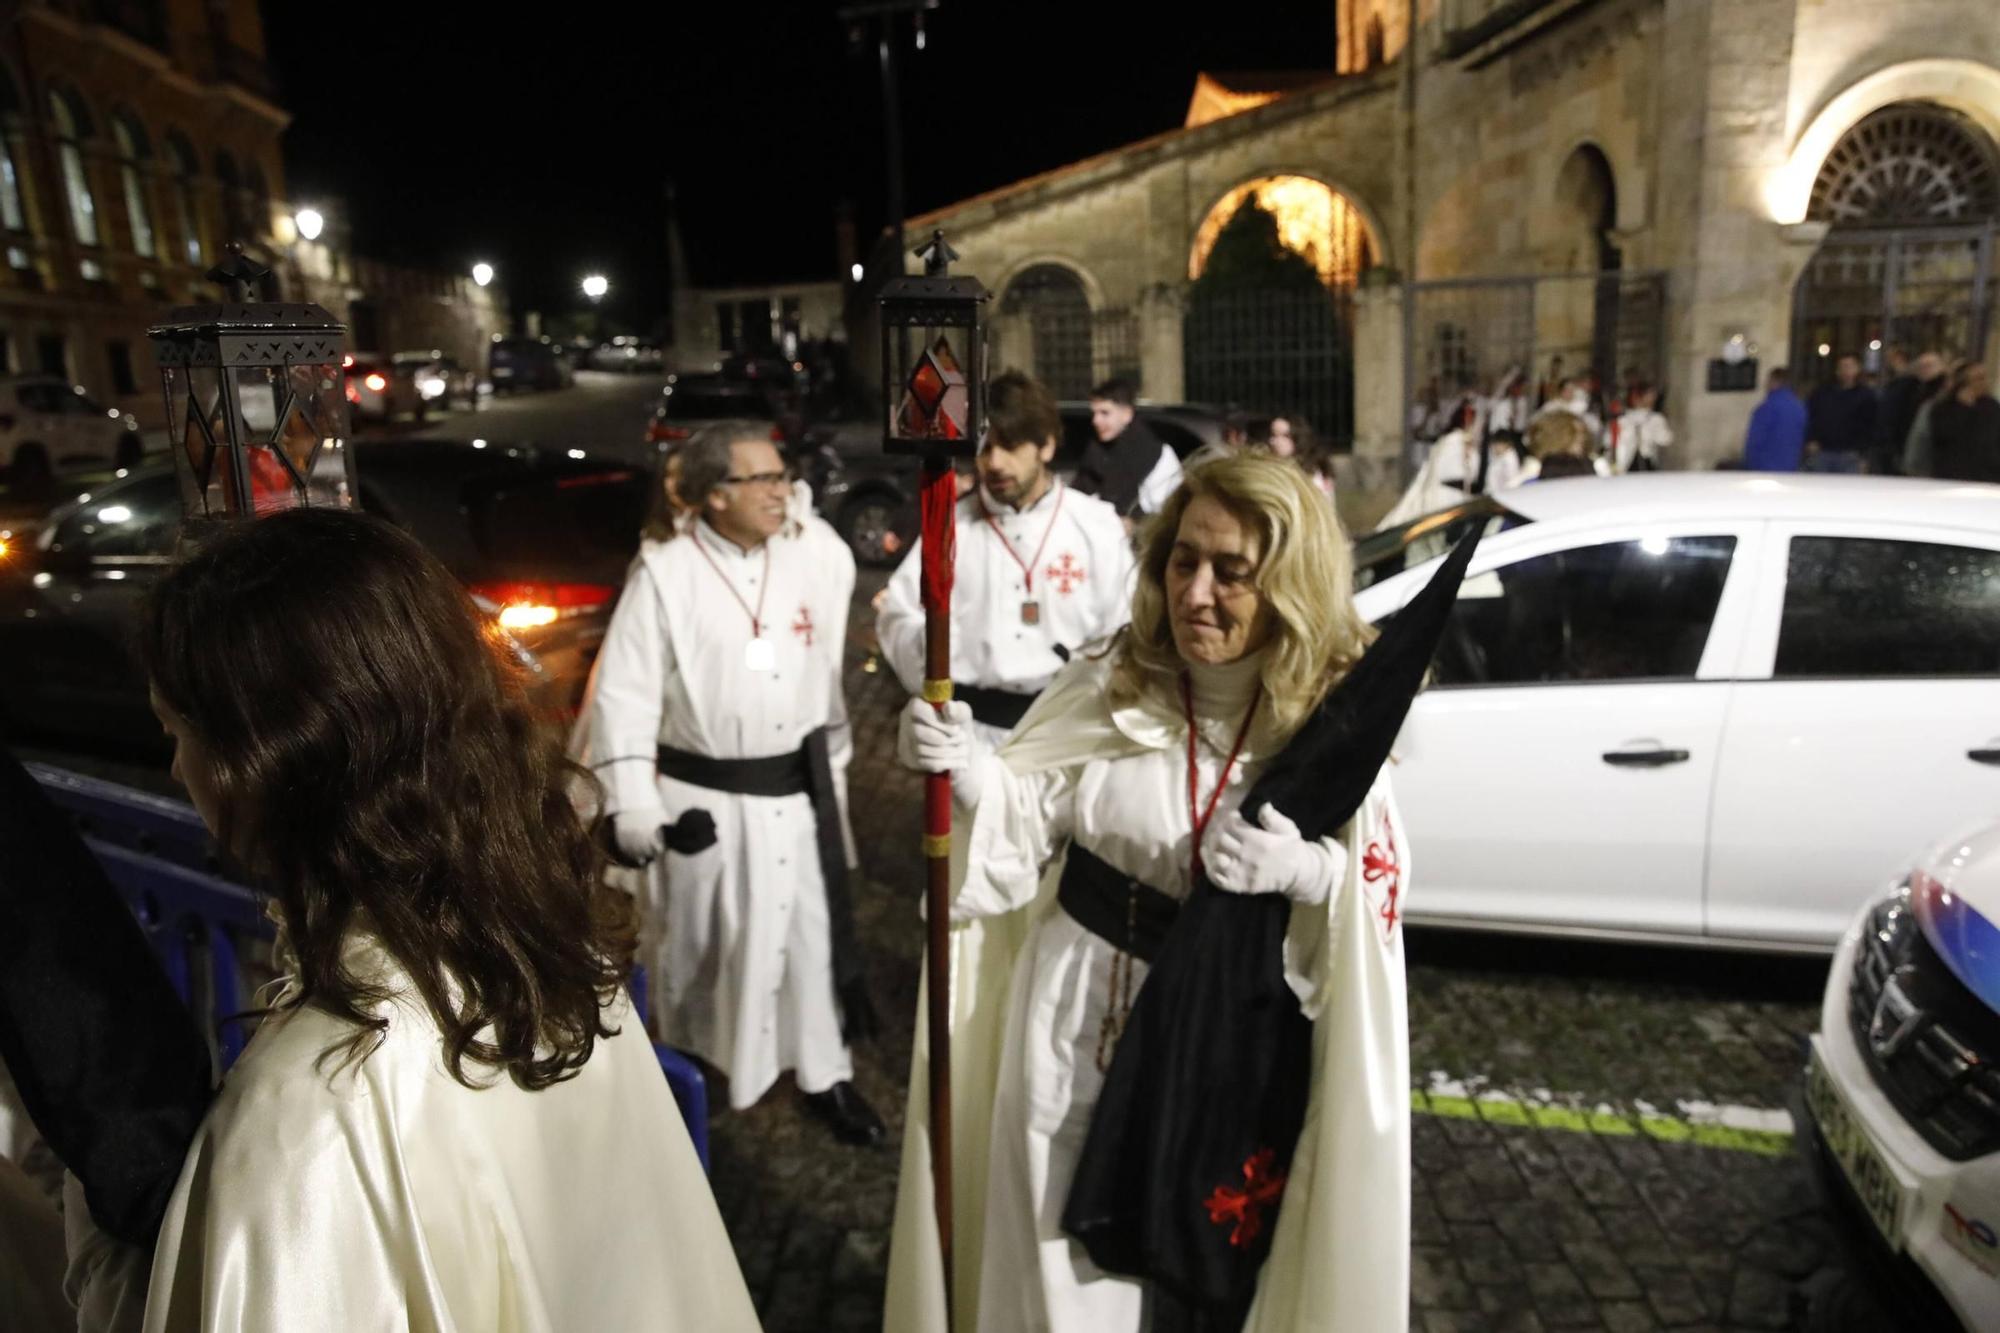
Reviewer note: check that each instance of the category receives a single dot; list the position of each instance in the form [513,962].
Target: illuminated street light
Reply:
[855,272]
[482,273]
[310,223]
[595,286]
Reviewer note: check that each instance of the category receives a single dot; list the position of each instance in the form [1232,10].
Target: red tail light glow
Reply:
[533,605]
[659,432]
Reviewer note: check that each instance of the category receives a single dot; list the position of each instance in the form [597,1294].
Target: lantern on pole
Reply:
[934,400]
[256,401]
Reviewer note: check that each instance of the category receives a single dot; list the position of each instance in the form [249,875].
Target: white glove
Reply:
[932,744]
[639,834]
[1240,857]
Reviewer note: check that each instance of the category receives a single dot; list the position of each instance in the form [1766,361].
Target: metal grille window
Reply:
[1049,301]
[1287,352]
[1910,163]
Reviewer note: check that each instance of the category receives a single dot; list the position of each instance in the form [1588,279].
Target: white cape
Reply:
[1340,1259]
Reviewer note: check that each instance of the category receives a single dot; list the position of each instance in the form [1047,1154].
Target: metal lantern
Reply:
[256,401]
[934,358]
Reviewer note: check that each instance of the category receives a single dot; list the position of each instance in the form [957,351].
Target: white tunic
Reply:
[743,968]
[1639,433]
[1025,1073]
[388,1195]
[1081,586]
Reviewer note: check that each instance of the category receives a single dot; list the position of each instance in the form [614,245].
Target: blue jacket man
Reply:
[1777,435]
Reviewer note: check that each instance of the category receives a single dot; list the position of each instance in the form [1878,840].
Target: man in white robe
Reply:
[1043,570]
[717,721]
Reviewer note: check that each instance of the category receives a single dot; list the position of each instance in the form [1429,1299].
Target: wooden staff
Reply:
[940,503]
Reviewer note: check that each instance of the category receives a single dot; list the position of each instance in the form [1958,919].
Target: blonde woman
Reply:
[1126,782]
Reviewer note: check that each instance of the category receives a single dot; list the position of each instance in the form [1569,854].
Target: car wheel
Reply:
[131,451]
[31,473]
[868,525]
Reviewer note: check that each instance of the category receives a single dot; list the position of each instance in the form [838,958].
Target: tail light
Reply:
[347,361]
[659,432]
[376,382]
[533,605]
[353,394]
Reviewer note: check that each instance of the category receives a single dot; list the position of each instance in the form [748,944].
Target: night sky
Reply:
[450,133]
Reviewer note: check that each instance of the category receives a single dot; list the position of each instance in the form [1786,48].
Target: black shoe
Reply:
[851,1119]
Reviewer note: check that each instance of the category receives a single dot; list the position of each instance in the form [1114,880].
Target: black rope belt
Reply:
[996,708]
[768,775]
[1113,906]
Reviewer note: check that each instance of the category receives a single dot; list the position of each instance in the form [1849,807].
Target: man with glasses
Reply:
[719,729]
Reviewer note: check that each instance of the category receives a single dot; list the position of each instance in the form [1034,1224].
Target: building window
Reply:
[725,326]
[12,215]
[260,202]
[122,379]
[19,258]
[71,125]
[133,151]
[186,168]
[53,354]
[92,270]
[230,180]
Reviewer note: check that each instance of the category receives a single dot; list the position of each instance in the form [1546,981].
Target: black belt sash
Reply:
[996,708]
[806,771]
[1113,906]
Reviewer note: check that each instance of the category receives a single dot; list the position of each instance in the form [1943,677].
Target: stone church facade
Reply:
[1670,189]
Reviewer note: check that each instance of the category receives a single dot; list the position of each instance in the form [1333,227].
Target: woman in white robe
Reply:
[450,1118]
[1243,595]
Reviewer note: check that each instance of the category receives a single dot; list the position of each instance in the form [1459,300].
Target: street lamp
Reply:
[256,408]
[595,286]
[310,223]
[482,273]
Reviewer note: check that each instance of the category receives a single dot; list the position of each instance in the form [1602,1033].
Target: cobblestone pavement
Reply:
[1600,1139]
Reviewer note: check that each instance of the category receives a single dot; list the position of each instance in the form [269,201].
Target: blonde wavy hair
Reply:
[1305,573]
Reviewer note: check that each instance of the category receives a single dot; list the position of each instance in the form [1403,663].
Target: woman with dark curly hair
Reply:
[450,1117]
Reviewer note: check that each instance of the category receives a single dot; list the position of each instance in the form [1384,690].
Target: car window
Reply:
[573,525]
[86,405]
[142,519]
[1382,555]
[695,404]
[1636,610]
[39,398]
[1857,606]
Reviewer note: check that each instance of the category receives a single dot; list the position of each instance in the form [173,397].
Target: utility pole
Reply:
[886,18]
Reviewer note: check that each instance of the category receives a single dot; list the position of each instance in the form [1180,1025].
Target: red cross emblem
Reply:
[803,626]
[1065,573]
[1382,864]
[1263,1184]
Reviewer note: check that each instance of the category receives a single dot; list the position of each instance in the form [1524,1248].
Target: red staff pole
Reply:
[939,503]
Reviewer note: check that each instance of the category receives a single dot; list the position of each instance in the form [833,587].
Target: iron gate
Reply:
[1287,352]
[1922,289]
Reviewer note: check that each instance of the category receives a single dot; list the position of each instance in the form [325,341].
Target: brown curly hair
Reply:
[378,768]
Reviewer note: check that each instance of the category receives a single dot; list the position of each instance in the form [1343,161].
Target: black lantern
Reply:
[934,358]
[256,401]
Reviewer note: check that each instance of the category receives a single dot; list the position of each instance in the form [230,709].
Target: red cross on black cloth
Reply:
[1065,573]
[803,626]
[1243,1209]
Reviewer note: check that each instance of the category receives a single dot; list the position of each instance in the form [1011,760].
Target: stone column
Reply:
[1375,470]
[1162,353]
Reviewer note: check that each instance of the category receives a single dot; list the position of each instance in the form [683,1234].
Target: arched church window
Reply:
[1910,164]
[1051,299]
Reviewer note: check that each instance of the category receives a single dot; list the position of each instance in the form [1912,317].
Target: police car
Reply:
[1903,1084]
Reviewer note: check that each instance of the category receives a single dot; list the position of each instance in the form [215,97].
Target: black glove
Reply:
[693,832]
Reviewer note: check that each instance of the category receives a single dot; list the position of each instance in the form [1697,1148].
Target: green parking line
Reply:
[1499,1109]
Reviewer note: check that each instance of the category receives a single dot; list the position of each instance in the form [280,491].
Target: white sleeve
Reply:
[899,621]
[1020,823]
[1161,483]
[631,686]
[1122,569]
[840,731]
[1658,433]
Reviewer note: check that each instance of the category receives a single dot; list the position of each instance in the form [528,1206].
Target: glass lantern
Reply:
[933,358]
[256,402]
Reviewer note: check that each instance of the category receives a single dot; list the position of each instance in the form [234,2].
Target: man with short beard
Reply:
[1042,571]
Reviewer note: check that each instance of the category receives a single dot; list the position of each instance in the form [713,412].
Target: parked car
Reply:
[540,539]
[49,426]
[1710,708]
[627,355]
[687,401]
[871,497]
[1902,1087]
[380,390]
[440,380]
[528,363]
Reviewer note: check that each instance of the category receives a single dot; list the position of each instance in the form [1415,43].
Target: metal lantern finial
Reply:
[934,357]
[256,400]
[937,254]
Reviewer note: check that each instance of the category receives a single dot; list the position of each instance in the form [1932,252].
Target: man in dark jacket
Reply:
[1126,466]
[1840,420]
[1965,430]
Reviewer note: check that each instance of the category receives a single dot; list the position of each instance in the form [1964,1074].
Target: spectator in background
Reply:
[1840,420]
[1965,428]
[1777,438]
[1292,437]
[1901,394]
[1640,431]
[1126,466]
[1560,443]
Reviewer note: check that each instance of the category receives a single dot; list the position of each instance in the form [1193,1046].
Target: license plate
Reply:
[1881,1194]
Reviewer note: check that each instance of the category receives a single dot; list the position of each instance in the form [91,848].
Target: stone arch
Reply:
[1332,225]
[1965,86]
[1584,199]
[1044,325]
[1909,164]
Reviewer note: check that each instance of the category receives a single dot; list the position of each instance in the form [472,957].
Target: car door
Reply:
[41,422]
[1556,775]
[1867,726]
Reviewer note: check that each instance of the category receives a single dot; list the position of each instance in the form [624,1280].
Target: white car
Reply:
[48,425]
[1903,1088]
[1712,708]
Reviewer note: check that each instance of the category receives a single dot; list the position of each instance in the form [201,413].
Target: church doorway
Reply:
[1912,194]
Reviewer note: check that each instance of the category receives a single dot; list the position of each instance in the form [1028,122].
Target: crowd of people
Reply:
[449,1116]
[1923,416]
